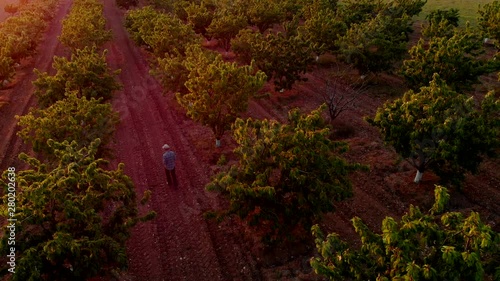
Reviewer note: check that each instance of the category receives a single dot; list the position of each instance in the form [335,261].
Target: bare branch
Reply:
[340,93]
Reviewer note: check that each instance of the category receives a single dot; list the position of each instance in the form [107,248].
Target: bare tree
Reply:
[340,93]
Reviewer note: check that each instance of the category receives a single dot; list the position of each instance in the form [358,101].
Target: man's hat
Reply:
[166,146]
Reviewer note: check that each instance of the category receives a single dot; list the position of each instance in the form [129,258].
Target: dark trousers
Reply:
[171,177]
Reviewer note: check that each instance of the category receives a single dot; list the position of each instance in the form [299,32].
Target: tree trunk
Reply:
[418,177]
[218,130]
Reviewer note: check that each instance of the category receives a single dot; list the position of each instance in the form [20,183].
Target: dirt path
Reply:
[19,98]
[179,244]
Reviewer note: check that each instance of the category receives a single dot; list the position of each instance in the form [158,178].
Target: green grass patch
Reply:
[468,8]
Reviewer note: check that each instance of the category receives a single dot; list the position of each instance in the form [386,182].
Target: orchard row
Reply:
[21,33]
[75,215]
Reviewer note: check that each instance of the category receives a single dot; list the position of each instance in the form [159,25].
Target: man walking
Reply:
[169,163]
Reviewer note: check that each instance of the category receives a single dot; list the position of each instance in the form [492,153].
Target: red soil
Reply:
[180,244]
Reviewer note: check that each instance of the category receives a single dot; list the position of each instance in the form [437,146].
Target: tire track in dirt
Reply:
[20,97]
[366,205]
[489,197]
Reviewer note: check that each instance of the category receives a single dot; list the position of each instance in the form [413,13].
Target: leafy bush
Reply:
[225,26]
[374,45]
[20,34]
[451,16]
[288,175]
[86,73]
[457,58]
[140,19]
[421,246]
[489,20]
[72,119]
[165,34]
[217,90]
[200,17]
[265,13]
[73,217]
[323,27]
[7,70]
[283,56]
[440,129]
[84,26]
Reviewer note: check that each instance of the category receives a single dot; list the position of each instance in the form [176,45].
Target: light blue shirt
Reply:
[169,160]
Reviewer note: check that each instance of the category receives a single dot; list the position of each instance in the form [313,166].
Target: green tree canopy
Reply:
[265,13]
[199,16]
[169,39]
[168,35]
[7,70]
[172,73]
[72,119]
[165,34]
[489,20]
[178,8]
[140,22]
[217,90]
[21,33]
[376,44]
[358,11]
[225,26]
[323,26]
[377,34]
[283,56]
[292,8]
[441,23]
[288,175]
[311,8]
[421,246]
[85,26]
[458,59]
[245,45]
[399,8]
[440,129]
[87,74]
[72,221]
[452,16]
